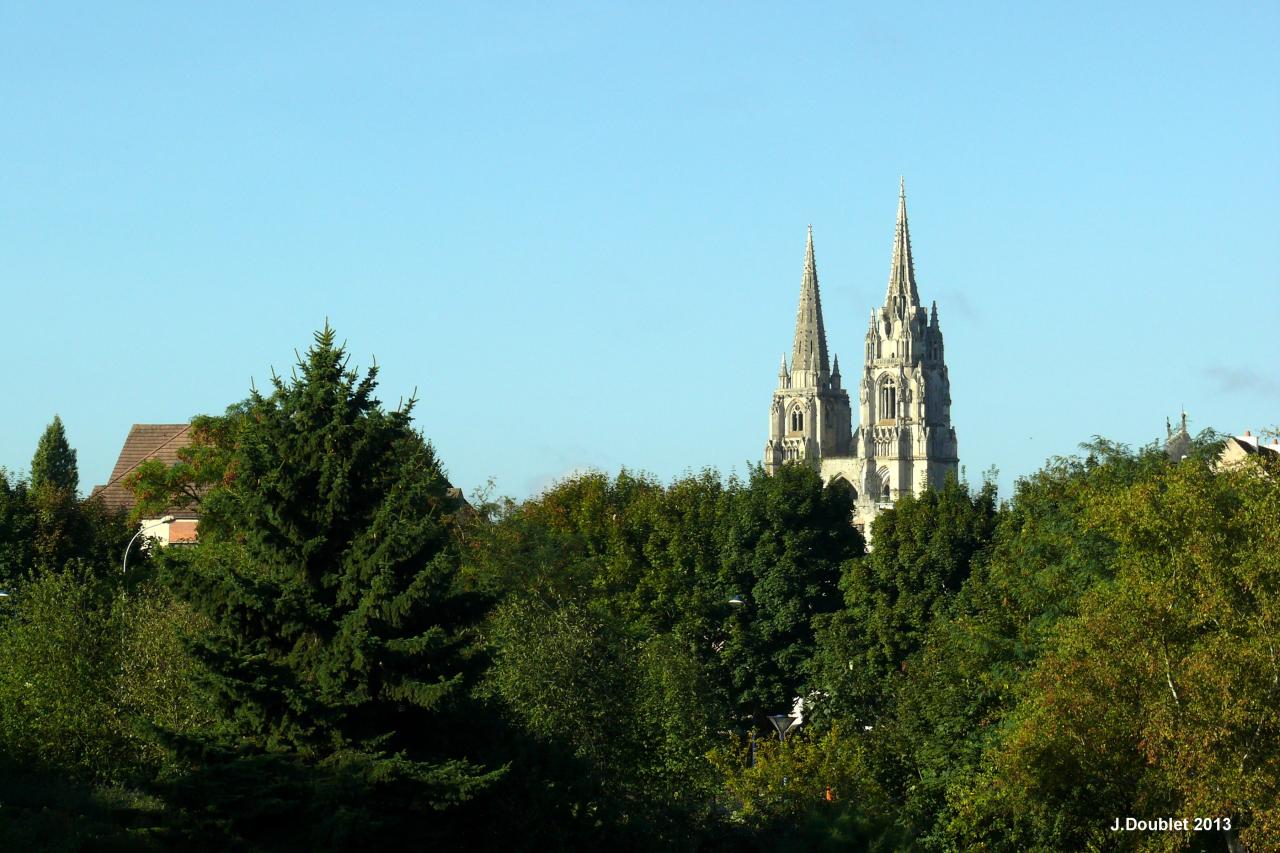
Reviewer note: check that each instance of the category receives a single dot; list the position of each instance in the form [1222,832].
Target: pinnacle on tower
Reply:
[902,271]
[809,353]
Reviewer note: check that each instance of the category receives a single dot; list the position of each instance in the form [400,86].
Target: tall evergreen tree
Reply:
[341,641]
[55,461]
[44,524]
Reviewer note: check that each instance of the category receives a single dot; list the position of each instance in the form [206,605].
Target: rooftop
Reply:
[144,442]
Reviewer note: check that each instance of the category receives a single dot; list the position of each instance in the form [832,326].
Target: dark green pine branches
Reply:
[341,638]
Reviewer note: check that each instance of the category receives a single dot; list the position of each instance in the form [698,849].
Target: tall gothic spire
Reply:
[809,353]
[902,272]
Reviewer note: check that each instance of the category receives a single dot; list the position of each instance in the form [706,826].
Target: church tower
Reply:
[905,438]
[810,417]
[904,443]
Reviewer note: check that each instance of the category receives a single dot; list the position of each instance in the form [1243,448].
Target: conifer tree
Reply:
[54,463]
[341,648]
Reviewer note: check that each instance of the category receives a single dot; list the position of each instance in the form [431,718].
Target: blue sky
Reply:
[578,229]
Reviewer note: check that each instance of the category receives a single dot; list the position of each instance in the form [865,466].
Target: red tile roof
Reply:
[145,441]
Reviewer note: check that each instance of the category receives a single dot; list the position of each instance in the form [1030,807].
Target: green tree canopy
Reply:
[341,645]
[54,463]
[925,549]
[1160,696]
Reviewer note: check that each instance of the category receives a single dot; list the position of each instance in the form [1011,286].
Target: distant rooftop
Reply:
[145,442]
[1253,443]
[1240,447]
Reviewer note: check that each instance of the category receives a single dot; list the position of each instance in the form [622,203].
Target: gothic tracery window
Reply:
[888,401]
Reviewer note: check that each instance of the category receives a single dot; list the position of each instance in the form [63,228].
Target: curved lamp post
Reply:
[124,564]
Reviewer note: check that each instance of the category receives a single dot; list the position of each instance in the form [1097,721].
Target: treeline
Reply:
[354,657]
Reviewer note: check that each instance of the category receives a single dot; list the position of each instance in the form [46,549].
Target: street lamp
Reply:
[124,564]
[783,723]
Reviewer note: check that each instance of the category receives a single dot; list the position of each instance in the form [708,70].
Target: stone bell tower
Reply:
[904,443]
[810,417]
[905,438]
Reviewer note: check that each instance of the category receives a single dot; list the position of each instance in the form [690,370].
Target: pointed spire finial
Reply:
[809,352]
[902,272]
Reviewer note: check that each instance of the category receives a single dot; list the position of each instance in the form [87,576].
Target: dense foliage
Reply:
[340,646]
[54,463]
[616,637]
[352,656]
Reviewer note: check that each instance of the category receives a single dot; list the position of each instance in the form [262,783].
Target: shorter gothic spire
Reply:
[809,352]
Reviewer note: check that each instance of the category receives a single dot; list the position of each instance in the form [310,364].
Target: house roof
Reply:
[145,442]
[1252,444]
[1240,447]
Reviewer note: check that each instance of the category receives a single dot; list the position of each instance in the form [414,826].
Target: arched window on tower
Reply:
[797,420]
[888,401]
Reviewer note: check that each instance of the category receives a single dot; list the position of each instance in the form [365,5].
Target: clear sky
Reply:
[578,229]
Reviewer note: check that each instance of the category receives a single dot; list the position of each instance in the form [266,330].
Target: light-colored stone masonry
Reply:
[904,441]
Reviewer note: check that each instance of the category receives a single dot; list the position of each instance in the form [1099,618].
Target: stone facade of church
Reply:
[904,442]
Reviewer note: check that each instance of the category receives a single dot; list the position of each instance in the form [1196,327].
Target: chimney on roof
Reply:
[1247,433]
